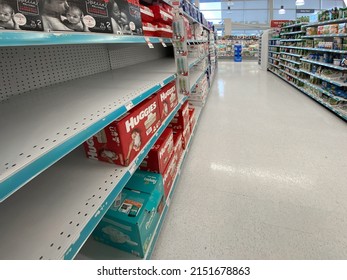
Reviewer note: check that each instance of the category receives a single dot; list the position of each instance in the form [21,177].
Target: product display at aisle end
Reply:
[129,107]
[226,46]
[311,56]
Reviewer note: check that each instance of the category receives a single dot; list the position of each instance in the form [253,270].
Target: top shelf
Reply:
[340,20]
[33,38]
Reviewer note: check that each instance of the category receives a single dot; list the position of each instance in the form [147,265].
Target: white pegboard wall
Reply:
[122,55]
[27,68]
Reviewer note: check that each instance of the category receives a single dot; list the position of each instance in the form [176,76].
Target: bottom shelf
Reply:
[93,250]
[338,111]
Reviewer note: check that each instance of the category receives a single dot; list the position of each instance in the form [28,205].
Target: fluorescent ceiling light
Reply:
[300,2]
[282,11]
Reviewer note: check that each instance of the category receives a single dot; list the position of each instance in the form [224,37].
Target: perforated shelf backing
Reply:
[24,69]
[130,54]
[29,68]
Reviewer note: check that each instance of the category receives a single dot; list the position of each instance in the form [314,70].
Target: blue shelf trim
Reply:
[33,38]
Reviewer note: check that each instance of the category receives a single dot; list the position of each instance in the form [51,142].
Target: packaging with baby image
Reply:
[168,99]
[21,15]
[104,16]
[77,15]
[122,140]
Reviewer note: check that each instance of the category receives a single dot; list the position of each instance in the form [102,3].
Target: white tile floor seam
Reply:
[266,177]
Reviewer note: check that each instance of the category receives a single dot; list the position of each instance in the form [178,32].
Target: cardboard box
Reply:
[178,144]
[161,14]
[130,222]
[186,136]
[149,29]
[168,99]
[192,120]
[121,17]
[122,140]
[147,14]
[158,157]
[21,15]
[79,16]
[181,119]
[164,30]
[126,17]
[169,174]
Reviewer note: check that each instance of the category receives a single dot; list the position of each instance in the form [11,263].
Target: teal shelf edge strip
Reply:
[33,38]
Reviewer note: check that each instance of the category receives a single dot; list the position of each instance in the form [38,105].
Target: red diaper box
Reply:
[158,157]
[149,29]
[181,119]
[192,118]
[185,136]
[122,140]
[161,14]
[178,144]
[169,174]
[147,14]
[164,30]
[168,99]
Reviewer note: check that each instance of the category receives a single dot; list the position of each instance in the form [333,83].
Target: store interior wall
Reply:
[250,17]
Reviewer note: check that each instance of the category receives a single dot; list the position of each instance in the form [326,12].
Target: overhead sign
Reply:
[304,11]
[277,23]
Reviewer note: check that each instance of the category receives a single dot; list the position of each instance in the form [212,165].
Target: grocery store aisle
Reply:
[266,177]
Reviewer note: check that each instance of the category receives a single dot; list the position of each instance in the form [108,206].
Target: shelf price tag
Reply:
[129,105]
[133,168]
[162,42]
[149,43]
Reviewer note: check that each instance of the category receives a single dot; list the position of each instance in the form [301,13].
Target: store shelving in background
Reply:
[308,65]
[250,46]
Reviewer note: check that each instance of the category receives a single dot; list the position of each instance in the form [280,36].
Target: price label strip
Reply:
[162,42]
[149,43]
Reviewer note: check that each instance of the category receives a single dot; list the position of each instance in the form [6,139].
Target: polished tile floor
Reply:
[266,177]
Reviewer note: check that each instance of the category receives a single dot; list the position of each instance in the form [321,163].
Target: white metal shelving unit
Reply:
[61,89]
[334,103]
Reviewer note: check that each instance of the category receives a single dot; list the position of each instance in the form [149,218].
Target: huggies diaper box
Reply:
[178,144]
[130,223]
[158,157]
[169,174]
[181,119]
[168,99]
[122,140]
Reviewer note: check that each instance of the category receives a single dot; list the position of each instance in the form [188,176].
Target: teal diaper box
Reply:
[130,223]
